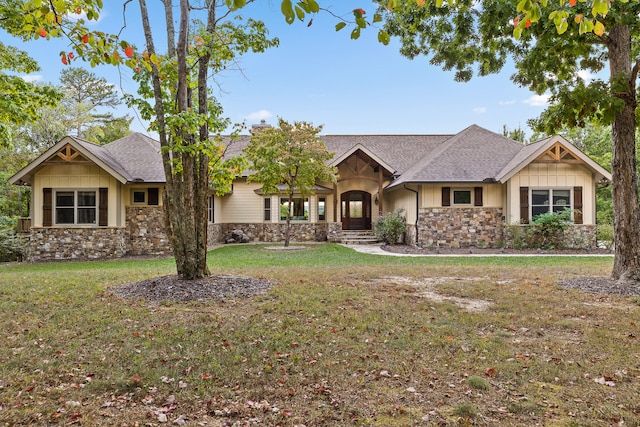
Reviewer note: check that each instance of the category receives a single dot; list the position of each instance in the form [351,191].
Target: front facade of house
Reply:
[459,190]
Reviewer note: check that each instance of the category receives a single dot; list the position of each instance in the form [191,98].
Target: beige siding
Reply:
[553,175]
[74,176]
[243,206]
[493,195]
[403,199]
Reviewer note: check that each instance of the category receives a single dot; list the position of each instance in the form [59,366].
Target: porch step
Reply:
[359,237]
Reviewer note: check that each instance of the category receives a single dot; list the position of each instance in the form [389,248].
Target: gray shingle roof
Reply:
[473,155]
[136,157]
[139,155]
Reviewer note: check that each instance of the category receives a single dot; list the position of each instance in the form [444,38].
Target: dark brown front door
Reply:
[356,210]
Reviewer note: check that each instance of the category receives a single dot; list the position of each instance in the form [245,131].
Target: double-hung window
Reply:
[75,207]
[549,200]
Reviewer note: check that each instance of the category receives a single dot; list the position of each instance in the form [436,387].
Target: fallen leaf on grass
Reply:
[605,381]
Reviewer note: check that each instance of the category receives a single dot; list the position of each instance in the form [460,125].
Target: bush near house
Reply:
[12,246]
[390,227]
[546,231]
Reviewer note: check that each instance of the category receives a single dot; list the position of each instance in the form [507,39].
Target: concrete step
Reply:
[359,237]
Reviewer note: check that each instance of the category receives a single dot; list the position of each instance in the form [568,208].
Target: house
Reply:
[90,201]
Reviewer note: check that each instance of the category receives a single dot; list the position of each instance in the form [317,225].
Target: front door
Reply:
[356,210]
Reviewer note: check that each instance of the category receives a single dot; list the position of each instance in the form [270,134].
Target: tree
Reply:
[84,94]
[21,100]
[571,38]
[292,155]
[174,87]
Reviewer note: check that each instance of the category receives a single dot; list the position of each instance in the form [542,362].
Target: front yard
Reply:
[342,338]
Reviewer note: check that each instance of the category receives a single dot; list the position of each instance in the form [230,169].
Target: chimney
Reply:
[263,125]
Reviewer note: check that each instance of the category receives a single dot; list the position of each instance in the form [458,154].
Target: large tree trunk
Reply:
[624,184]
[186,187]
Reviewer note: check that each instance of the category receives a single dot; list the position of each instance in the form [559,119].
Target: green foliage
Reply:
[12,246]
[289,159]
[604,235]
[21,100]
[390,227]
[478,383]
[547,230]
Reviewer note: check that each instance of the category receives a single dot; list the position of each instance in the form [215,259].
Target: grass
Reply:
[344,339]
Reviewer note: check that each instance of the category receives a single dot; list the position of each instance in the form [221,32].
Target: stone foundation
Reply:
[274,232]
[457,227]
[49,244]
[145,231]
[576,236]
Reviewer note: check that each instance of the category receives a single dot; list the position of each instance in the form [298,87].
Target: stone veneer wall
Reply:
[145,231]
[48,244]
[274,232]
[458,227]
[576,236]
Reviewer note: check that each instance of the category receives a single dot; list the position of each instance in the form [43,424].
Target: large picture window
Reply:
[299,209]
[549,200]
[75,207]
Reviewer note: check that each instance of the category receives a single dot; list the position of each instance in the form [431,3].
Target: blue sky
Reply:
[322,76]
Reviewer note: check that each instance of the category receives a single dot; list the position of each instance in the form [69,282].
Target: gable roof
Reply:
[134,158]
[473,155]
[532,151]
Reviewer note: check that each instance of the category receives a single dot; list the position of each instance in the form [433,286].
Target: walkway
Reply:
[377,250]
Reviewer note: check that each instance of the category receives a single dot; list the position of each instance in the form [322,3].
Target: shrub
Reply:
[12,246]
[547,230]
[604,235]
[390,227]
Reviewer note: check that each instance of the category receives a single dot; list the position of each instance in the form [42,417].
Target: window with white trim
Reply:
[211,209]
[75,207]
[267,209]
[550,200]
[322,208]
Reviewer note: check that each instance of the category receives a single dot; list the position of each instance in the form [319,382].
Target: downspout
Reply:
[417,210]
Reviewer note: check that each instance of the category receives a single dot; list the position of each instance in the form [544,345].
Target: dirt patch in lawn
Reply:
[424,288]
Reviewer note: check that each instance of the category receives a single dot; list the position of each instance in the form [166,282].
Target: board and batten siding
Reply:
[70,176]
[493,195]
[553,175]
[403,199]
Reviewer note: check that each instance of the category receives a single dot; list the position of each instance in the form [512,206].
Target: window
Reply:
[299,209]
[549,200]
[145,196]
[461,197]
[322,205]
[139,197]
[267,209]
[211,209]
[75,207]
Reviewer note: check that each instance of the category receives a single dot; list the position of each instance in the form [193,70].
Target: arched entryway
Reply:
[356,210]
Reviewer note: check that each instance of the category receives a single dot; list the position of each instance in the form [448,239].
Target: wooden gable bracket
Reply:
[557,153]
[357,166]
[67,153]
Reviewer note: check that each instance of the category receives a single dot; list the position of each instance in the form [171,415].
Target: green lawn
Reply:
[343,339]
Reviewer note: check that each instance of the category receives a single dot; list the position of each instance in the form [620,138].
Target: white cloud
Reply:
[256,116]
[511,102]
[32,78]
[480,110]
[537,100]
[76,17]
[585,75]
